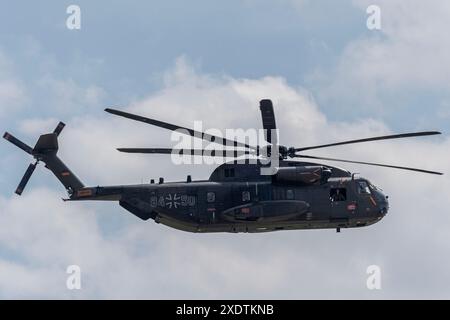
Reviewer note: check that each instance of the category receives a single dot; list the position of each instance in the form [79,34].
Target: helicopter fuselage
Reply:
[227,203]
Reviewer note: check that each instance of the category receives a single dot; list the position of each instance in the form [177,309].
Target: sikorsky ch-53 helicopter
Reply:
[237,197]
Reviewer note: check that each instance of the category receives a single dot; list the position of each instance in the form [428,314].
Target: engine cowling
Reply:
[303,175]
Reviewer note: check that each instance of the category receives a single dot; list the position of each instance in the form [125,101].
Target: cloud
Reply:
[408,57]
[66,95]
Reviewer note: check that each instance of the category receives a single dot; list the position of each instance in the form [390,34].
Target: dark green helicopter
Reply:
[237,197]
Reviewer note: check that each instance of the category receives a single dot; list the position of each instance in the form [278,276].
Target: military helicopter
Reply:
[237,197]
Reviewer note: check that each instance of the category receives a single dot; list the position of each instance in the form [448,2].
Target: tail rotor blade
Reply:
[59,128]
[26,178]
[18,143]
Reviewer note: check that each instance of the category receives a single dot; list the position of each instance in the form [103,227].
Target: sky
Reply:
[330,78]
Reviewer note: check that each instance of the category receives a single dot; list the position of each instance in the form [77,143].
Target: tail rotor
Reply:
[36,152]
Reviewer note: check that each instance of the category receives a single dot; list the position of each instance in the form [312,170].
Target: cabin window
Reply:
[290,194]
[211,197]
[229,173]
[245,196]
[363,187]
[338,194]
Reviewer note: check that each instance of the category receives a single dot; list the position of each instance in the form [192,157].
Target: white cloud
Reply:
[40,235]
[67,95]
[410,54]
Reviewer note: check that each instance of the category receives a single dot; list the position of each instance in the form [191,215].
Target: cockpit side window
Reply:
[363,187]
[211,197]
[338,194]
[290,194]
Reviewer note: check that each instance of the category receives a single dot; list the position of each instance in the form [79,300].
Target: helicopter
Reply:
[237,197]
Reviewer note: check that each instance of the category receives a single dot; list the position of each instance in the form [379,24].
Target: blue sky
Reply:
[123,48]
[211,61]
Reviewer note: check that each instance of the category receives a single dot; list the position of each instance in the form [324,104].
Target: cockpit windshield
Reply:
[374,187]
[363,187]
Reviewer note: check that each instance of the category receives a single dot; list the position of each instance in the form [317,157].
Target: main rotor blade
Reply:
[268,119]
[172,127]
[26,177]
[192,152]
[368,163]
[395,136]
[18,143]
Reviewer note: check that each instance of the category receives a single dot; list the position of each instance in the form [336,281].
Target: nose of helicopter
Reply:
[383,203]
[384,206]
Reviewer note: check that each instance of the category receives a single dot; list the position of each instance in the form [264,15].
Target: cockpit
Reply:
[375,194]
[351,191]
[363,187]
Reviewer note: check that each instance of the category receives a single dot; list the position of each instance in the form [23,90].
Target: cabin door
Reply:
[339,201]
